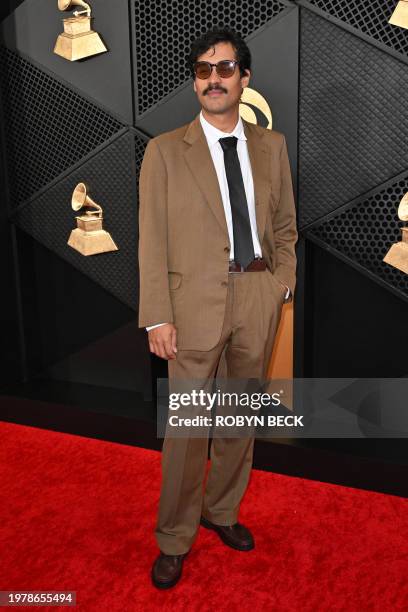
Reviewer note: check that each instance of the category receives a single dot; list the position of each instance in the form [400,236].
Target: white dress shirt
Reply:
[213,135]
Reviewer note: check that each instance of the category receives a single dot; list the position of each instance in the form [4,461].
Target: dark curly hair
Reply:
[217,35]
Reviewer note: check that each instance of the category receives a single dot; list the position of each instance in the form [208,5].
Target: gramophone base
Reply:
[91,243]
[79,46]
[397,256]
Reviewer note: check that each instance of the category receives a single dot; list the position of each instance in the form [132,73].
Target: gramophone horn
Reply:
[81,198]
[64,5]
[403,208]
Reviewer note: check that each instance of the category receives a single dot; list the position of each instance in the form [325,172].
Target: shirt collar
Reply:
[213,134]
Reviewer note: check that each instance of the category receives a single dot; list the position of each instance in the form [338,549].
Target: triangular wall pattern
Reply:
[109,176]
[353,131]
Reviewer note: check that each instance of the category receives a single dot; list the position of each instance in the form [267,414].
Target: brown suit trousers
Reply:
[252,313]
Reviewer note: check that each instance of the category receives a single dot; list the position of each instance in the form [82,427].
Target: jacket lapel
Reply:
[200,162]
[260,166]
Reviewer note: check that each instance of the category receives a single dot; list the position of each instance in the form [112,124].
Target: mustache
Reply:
[214,88]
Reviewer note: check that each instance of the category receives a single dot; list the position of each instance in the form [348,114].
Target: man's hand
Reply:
[162,341]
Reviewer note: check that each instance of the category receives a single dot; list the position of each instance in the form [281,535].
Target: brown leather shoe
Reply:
[166,570]
[237,536]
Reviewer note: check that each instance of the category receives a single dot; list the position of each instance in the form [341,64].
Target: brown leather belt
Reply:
[256,265]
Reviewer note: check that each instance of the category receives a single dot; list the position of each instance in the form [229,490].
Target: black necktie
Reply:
[243,244]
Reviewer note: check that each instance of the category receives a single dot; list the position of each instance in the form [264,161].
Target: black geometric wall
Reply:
[364,232]
[67,122]
[109,175]
[49,126]
[353,130]
[274,48]
[369,17]
[165,30]
[32,30]
[57,134]
[353,133]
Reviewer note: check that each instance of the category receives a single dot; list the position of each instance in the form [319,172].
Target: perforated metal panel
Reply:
[49,127]
[140,147]
[353,132]
[165,30]
[32,31]
[110,176]
[370,17]
[365,232]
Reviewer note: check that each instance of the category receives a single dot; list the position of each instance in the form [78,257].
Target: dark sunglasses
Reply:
[224,68]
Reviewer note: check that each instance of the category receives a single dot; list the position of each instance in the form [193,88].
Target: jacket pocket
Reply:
[175,279]
[278,285]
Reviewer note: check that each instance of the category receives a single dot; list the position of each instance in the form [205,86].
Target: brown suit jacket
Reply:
[183,237]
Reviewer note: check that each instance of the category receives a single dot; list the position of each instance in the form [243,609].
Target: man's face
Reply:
[218,95]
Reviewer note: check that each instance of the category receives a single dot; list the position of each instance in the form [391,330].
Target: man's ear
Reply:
[194,86]
[245,79]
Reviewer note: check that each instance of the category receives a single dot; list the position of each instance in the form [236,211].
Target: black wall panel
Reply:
[353,164]
[364,231]
[63,310]
[367,18]
[274,49]
[49,126]
[11,320]
[92,365]
[353,327]
[353,131]
[7,7]
[33,28]
[89,121]
[165,30]
[110,177]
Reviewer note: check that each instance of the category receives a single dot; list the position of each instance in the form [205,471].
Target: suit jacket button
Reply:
[224,283]
[227,249]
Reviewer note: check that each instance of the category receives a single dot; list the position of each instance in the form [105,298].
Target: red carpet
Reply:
[78,514]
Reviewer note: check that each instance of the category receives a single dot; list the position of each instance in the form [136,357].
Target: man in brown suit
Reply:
[217,261]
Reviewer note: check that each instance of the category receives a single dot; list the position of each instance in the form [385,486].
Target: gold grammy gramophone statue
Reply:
[400,15]
[397,256]
[89,238]
[254,98]
[78,39]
